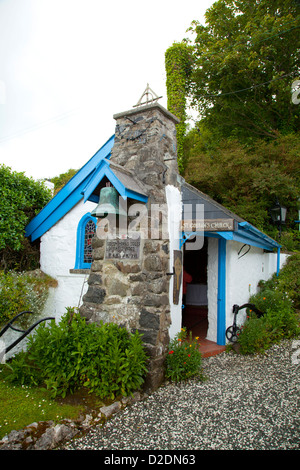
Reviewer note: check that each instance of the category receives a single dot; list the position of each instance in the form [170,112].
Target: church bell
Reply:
[108,203]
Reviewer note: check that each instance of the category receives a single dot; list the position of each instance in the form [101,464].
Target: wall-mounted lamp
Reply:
[278,215]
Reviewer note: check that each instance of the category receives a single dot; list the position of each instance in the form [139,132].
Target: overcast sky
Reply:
[67,66]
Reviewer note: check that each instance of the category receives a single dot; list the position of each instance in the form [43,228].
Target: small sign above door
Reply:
[208,225]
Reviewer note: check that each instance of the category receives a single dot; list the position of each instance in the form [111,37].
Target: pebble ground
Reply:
[245,403]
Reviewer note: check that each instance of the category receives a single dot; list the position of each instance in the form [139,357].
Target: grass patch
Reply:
[22,405]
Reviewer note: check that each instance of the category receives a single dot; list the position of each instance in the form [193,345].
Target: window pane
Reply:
[89,232]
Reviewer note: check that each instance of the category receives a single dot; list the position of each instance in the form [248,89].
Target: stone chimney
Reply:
[134,291]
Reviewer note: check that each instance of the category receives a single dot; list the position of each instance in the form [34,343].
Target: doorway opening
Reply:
[195,305]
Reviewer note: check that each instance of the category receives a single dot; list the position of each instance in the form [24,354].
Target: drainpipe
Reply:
[278,260]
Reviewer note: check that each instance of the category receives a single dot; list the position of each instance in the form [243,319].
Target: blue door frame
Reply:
[221,318]
[221,301]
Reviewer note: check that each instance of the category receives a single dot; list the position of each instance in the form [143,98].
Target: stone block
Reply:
[128,267]
[149,320]
[94,295]
[148,336]
[97,242]
[98,253]
[156,300]
[96,266]
[95,279]
[116,287]
[154,262]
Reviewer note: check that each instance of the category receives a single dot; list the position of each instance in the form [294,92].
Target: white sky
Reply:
[67,66]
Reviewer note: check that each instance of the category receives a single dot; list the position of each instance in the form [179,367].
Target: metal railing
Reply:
[24,332]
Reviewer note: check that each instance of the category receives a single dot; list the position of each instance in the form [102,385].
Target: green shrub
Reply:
[184,359]
[280,319]
[288,281]
[20,292]
[253,337]
[106,359]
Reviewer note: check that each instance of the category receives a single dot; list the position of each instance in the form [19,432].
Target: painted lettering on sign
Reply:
[128,248]
[208,225]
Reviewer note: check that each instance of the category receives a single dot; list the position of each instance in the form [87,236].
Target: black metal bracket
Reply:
[171,274]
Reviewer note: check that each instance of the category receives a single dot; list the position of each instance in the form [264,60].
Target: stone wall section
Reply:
[135,293]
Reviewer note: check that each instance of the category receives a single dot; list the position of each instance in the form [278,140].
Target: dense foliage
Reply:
[279,300]
[243,66]
[246,59]
[247,180]
[178,61]
[62,179]
[106,359]
[21,198]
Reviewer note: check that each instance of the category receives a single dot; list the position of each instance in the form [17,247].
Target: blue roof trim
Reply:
[246,233]
[68,196]
[81,186]
[251,232]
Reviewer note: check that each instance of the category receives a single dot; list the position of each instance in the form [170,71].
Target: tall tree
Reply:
[246,59]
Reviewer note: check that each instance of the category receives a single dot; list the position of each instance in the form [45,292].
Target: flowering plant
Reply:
[184,359]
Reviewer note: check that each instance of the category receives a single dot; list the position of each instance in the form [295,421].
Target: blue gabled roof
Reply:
[67,197]
[81,186]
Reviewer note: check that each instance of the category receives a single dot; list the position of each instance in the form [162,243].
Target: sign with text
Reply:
[208,225]
[177,275]
[127,248]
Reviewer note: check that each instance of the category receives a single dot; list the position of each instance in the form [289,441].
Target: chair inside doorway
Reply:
[195,309]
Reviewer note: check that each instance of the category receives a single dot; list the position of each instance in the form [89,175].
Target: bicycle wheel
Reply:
[232,333]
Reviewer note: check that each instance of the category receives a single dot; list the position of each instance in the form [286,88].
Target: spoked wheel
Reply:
[232,333]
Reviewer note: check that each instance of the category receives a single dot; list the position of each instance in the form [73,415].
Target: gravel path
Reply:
[246,403]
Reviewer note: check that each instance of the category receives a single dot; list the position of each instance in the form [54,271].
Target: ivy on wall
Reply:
[178,64]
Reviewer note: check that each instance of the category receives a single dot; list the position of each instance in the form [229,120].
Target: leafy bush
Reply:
[279,321]
[21,198]
[278,299]
[22,291]
[106,359]
[184,358]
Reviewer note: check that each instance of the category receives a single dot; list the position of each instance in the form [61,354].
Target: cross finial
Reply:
[151,97]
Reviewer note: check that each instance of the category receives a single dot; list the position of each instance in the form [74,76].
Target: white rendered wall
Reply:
[174,203]
[244,273]
[58,253]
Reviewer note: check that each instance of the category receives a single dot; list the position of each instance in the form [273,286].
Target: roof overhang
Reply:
[242,231]
[84,186]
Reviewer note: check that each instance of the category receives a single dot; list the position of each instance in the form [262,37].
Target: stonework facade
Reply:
[134,293]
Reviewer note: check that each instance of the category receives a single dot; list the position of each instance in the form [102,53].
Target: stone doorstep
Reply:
[45,435]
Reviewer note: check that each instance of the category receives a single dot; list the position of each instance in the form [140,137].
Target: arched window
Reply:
[85,232]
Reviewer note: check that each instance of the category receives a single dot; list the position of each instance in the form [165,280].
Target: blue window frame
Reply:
[85,232]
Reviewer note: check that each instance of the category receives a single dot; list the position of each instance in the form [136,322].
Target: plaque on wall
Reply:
[177,275]
[123,248]
[208,225]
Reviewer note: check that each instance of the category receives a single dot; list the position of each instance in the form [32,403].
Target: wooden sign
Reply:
[127,248]
[208,225]
[177,275]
